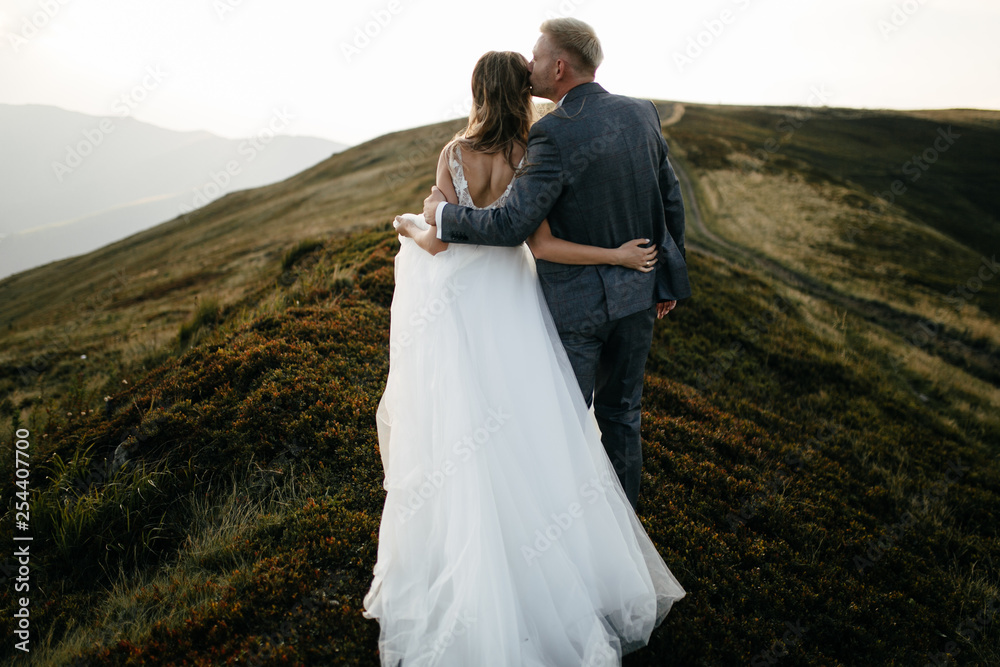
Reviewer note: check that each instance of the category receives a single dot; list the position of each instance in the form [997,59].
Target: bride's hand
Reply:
[633,256]
[405,227]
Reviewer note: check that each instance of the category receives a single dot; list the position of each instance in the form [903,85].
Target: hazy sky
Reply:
[350,71]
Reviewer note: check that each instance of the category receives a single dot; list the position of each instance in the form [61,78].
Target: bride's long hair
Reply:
[502,110]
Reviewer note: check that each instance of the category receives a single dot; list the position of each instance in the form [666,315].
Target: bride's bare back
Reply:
[487,175]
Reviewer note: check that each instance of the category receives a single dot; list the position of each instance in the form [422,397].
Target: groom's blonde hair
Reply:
[577,39]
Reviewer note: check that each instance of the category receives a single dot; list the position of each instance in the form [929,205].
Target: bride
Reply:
[506,538]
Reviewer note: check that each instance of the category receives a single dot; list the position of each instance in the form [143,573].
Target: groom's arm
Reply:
[532,197]
[670,270]
[673,203]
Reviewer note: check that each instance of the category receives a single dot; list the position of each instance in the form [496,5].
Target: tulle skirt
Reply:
[506,538]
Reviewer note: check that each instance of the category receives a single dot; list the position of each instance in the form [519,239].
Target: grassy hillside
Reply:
[820,425]
[124,303]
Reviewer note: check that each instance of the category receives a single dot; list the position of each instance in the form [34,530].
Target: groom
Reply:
[598,171]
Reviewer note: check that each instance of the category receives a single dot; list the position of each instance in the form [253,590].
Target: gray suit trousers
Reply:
[609,361]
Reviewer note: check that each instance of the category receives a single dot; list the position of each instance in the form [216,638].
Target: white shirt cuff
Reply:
[437,217]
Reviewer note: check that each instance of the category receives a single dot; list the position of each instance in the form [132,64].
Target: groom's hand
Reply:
[663,308]
[431,204]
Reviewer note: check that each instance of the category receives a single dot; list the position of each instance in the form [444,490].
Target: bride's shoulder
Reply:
[449,149]
[519,151]
[450,157]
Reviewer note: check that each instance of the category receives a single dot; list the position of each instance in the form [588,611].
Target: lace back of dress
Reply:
[462,185]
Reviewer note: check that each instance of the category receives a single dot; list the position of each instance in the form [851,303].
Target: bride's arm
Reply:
[444,182]
[427,238]
[630,254]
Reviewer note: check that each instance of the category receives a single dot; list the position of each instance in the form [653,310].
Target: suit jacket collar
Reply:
[583,90]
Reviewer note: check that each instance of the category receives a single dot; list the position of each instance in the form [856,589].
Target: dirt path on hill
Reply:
[946,343]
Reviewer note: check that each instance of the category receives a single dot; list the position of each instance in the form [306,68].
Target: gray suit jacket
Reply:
[598,170]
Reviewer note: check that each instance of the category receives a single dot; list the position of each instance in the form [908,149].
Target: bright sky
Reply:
[351,71]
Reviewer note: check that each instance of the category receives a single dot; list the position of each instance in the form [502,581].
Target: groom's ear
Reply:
[562,68]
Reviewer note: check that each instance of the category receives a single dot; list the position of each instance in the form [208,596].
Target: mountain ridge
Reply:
[78,170]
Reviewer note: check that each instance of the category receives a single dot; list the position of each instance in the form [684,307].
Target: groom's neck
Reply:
[561,91]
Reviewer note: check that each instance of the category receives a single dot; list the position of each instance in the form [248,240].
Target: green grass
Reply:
[304,247]
[208,314]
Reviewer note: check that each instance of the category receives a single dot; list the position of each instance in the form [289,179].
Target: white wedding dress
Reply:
[506,538]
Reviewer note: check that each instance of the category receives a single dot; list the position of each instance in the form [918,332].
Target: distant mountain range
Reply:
[72,183]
